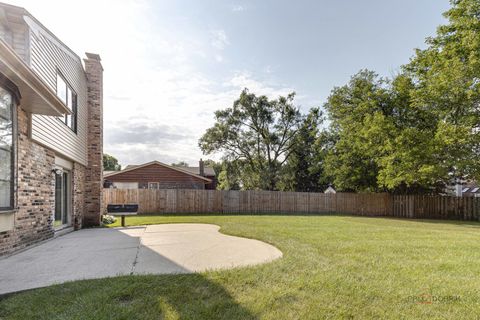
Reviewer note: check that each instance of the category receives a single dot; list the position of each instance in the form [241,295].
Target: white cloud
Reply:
[238,8]
[219,58]
[245,80]
[219,39]
[157,102]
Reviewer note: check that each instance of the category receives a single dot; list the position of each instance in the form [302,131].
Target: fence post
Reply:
[219,201]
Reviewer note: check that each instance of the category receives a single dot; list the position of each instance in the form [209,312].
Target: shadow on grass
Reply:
[189,296]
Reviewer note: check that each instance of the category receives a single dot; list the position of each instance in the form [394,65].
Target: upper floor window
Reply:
[6,150]
[69,97]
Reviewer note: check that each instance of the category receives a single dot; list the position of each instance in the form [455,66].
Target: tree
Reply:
[408,156]
[381,142]
[256,134]
[229,176]
[422,129]
[110,163]
[437,115]
[447,84]
[179,164]
[303,171]
[352,158]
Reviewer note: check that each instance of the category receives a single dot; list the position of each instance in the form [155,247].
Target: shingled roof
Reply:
[195,170]
[133,167]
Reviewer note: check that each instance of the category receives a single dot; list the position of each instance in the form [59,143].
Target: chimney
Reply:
[201,168]
[94,170]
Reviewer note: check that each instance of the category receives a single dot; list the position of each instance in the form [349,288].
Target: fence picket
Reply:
[257,202]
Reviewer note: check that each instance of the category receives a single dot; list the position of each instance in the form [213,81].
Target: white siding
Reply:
[16,36]
[45,54]
[46,57]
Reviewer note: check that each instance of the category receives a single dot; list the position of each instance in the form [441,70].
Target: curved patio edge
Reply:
[151,249]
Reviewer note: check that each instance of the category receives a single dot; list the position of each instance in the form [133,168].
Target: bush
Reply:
[108,219]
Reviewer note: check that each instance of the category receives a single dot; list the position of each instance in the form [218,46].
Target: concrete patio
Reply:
[155,249]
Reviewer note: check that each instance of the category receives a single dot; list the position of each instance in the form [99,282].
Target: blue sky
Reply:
[313,45]
[170,64]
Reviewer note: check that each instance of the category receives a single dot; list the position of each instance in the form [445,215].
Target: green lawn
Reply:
[334,267]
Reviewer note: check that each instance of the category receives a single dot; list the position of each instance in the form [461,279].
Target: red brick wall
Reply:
[35,192]
[94,170]
[35,183]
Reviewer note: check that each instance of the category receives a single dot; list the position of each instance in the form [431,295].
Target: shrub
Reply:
[108,219]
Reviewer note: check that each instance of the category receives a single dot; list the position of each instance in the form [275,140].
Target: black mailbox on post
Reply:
[122,210]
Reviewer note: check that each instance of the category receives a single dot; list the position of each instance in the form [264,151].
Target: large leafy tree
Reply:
[256,134]
[422,129]
[303,171]
[406,150]
[110,163]
[351,109]
[447,85]
[381,142]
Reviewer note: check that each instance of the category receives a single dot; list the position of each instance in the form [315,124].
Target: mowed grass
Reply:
[334,267]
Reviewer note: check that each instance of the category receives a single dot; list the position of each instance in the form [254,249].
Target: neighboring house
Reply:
[158,175]
[466,188]
[471,190]
[50,133]
[330,190]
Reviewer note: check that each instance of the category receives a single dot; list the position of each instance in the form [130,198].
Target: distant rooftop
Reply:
[195,170]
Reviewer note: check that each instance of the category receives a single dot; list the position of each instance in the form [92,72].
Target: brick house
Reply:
[158,175]
[50,133]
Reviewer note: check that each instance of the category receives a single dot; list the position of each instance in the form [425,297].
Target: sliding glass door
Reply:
[63,200]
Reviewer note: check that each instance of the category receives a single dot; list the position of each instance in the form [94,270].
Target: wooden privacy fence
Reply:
[436,207]
[255,202]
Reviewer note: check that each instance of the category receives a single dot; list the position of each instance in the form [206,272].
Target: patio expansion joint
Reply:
[135,261]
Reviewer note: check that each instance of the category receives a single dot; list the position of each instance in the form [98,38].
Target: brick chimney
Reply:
[201,168]
[94,171]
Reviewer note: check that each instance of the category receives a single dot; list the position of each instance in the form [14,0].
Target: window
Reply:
[6,150]
[69,98]
[125,185]
[153,185]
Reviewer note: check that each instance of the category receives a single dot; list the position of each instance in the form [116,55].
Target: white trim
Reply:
[63,163]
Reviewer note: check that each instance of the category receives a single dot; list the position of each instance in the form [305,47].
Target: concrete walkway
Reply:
[155,249]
